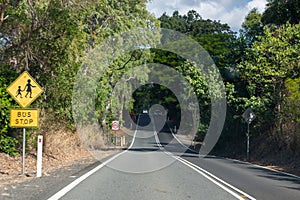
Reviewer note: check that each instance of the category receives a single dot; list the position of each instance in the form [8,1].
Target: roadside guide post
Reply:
[24,90]
[39,156]
[249,116]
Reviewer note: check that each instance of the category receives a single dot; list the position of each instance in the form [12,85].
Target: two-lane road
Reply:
[152,168]
[144,171]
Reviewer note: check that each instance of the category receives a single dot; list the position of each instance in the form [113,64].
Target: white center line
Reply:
[219,182]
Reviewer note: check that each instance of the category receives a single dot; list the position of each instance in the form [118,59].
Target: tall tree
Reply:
[252,26]
[279,12]
[216,38]
[51,38]
[291,113]
[270,62]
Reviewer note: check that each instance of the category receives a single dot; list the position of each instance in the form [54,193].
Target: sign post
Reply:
[115,127]
[24,90]
[23,151]
[249,116]
[248,141]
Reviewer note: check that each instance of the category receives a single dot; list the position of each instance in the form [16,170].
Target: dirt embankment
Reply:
[62,148]
[268,152]
[265,151]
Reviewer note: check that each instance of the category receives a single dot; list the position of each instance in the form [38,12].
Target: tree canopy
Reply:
[279,12]
[52,39]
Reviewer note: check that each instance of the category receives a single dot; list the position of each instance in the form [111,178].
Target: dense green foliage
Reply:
[279,12]
[7,142]
[213,36]
[252,27]
[52,38]
[267,71]
[255,67]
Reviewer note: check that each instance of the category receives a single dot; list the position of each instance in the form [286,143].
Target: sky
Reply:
[232,12]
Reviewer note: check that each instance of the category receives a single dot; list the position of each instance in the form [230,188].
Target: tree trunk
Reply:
[279,113]
[122,101]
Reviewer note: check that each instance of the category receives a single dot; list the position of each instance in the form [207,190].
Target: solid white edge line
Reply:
[212,180]
[259,166]
[214,177]
[160,146]
[182,143]
[73,184]
[206,174]
[133,139]
[255,165]
[267,168]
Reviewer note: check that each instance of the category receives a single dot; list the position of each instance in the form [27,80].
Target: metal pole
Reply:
[23,155]
[115,138]
[248,141]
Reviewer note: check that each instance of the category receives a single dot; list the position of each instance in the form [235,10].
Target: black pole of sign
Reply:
[249,116]
[248,140]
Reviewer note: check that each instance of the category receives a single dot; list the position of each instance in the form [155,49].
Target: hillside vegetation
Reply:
[260,67]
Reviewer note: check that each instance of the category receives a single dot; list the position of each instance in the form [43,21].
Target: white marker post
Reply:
[39,156]
[123,141]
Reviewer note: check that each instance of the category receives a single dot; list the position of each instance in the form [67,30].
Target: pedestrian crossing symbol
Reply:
[24,89]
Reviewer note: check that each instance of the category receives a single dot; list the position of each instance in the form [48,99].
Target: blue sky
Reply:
[231,12]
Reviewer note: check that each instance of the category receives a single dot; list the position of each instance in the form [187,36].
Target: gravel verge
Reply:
[32,188]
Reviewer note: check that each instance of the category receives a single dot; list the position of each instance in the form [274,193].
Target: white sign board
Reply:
[115,125]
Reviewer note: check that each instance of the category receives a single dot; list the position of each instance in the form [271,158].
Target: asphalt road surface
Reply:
[157,166]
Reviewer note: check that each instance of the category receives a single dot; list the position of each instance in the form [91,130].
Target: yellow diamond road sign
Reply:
[24,89]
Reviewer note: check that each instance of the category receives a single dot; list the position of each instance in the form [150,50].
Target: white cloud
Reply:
[231,12]
[259,4]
